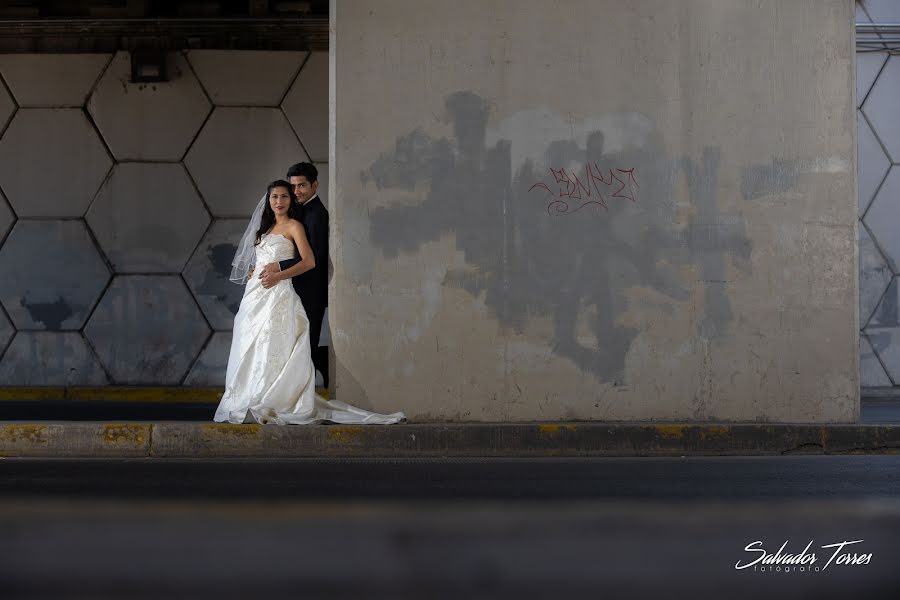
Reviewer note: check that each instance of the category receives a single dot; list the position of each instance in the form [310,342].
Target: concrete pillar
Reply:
[607,209]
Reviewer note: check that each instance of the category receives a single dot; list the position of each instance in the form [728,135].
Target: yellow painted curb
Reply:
[32,393]
[144,394]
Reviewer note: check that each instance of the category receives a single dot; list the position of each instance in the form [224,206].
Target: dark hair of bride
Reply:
[295,211]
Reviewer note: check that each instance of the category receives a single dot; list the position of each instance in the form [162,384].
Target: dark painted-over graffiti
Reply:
[220,256]
[528,265]
[207,273]
[62,292]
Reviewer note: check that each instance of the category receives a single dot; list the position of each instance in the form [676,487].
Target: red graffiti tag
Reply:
[622,183]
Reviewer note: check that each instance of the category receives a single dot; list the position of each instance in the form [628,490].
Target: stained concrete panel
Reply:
[466,242]
[7,218]
[886,343]
[238,153]
[149,121]
[7,107]
[883,217]
[209,370]
[43,358]
[306,105]
[881,107]
[52,80]
[6,331]
[874,276]
[51,162]
[873,164]
[887,313]
[147,330]
[53,274]
[207,273]
[246,77]
[148,218]
[871,371]
[868,65]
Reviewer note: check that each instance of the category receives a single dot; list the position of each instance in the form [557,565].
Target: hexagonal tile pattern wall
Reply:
[868,65]
[871,372]
[883,217]
[886,343]
[6,332]
[238,153]
[147,330]
[7,107]
[887,313]
[52,80]
[6,218]
[881,107]
[213,362]
[149,121]
[147,214]
[208,272]
[307,103]
[873,164]
[246,78]
[53,274]
[874,276]
[44,358]
[148,218]
[51,162]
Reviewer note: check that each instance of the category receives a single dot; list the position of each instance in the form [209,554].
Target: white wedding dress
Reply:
[270,377]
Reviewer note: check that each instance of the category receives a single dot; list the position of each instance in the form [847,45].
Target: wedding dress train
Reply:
[270,376]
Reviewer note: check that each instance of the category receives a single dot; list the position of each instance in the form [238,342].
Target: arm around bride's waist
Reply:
[307,258]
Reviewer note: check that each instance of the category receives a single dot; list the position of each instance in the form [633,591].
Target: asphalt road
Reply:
[665,479]
[521,528]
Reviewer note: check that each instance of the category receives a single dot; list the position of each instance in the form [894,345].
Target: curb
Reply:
[63,440]
[465,440]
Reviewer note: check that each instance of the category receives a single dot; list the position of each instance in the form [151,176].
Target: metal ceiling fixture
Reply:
[111,25]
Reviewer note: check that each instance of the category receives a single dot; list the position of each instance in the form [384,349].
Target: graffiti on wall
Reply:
[593,189]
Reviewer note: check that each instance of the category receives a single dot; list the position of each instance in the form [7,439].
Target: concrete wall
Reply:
[597,209]
[121,205]
[878,118]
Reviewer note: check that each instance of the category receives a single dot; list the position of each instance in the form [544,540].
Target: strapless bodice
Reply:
[274,247]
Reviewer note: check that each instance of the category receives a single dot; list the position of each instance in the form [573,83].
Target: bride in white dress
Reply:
[270,377]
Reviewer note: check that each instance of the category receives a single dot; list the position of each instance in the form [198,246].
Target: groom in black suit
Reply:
[312,286]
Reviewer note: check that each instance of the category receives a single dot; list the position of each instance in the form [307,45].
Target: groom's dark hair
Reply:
[303,169]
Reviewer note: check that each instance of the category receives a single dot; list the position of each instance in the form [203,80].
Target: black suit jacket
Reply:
[312,286]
